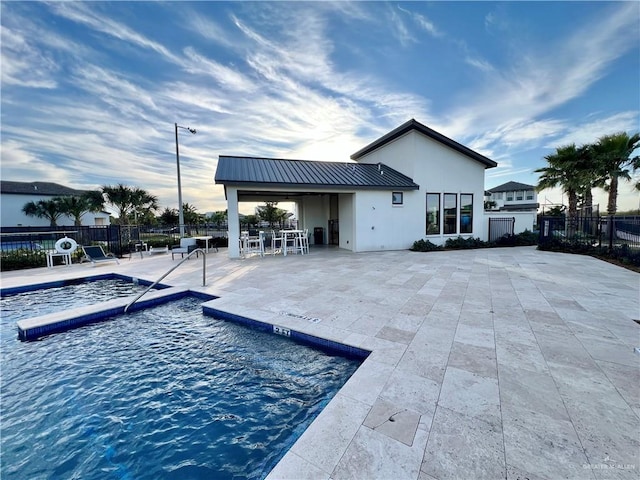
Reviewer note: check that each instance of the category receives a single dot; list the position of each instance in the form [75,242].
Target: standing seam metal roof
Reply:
[256,170]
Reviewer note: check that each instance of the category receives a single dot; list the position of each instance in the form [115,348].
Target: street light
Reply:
[180,212]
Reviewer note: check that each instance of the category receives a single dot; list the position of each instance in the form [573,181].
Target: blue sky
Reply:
[91,91]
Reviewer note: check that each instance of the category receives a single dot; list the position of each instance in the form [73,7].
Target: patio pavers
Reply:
[492,363]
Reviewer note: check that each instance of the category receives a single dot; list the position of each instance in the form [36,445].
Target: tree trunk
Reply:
[612,204]
[573,213]
[588,202]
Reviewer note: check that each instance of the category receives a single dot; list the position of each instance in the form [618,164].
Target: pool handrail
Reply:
[204,275]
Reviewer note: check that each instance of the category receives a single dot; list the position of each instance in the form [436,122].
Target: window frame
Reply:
[394,201]
[438,215]
[469,214]
[452,222]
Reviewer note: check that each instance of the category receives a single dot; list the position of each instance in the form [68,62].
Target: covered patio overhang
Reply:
[317,188]
[314,206]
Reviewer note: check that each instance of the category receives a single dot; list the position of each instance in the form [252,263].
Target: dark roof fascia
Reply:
[415,125]
[320,186]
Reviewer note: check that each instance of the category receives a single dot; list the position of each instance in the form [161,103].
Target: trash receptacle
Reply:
[318,236]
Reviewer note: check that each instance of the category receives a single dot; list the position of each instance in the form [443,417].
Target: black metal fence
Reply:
[602,232]
[26,247]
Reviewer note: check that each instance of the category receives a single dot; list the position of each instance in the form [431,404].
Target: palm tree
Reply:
[612,154]
[589,177]
[143,203]
[128,200]
[218,218]
[269,212]
[564,171]
[191,215]
[77,206]
[169,216]
[49,209]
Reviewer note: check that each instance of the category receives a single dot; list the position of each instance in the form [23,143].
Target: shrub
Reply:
[425,246]
[521,239]
[461,243]
[19,259]
[622,254]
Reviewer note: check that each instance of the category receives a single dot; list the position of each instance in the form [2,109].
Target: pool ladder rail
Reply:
[204,275]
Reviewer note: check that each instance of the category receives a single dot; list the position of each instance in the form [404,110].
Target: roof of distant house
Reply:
[419,127]
[511,187]
[519,207]
[37,188]
[273,171]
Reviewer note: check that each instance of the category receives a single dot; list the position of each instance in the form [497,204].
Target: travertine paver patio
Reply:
[496,363]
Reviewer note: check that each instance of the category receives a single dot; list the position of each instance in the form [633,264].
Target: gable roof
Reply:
[305,173]
[511,186]
[37,188]
[419,127]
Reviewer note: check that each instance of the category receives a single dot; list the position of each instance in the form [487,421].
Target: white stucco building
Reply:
[412,183]
[14,196]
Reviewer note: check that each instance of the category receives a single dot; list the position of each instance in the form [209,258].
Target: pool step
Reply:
[36,327]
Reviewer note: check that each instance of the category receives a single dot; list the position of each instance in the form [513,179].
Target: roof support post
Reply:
[233,222]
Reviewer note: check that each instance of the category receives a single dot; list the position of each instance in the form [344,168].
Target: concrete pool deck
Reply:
[494,363]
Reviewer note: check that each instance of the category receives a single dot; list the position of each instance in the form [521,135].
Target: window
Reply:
[509,196]
[433,213]
[396,198]
[466,213]
[519,195]
[529,195]
[450,213]
[497,196]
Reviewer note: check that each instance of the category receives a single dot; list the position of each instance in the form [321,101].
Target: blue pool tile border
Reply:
[330,346]
[5,292]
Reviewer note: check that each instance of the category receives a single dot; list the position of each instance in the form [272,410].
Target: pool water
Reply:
[166,392]
[71,295]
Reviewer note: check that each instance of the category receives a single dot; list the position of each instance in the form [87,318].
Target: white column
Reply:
[233,222]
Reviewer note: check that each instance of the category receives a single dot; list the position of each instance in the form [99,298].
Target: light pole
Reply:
[180,212]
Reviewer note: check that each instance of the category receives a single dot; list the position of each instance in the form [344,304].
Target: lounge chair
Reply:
[187,245]
[95,254]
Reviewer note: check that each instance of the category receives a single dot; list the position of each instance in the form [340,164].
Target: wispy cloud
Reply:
[399,28]
[545,79]
[277,89]
[23,64]
[87,14]
[422,22]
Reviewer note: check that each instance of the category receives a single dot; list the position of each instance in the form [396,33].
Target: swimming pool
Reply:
[166,392]
[35,300]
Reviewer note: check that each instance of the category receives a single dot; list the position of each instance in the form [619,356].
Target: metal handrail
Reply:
[204,275]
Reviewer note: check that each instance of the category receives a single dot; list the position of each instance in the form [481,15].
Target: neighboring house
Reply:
[514,200]
[514,197]
[14,196]
[412,183]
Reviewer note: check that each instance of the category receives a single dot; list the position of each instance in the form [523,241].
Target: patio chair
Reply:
[187,245]
[95,254]
[277,240]
[255,244]
[303,242]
